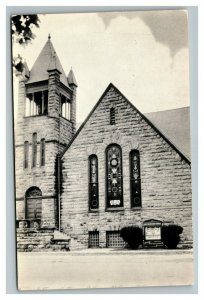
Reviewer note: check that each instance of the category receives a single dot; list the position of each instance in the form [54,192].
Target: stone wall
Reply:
[57,133]
[165,174]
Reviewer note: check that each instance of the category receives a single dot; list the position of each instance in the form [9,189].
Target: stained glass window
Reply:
[93,182]
[135,181]
[114,176]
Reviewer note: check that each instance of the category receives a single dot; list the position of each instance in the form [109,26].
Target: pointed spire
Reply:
[44,62]
[49,37]
[71,78]
[53,63]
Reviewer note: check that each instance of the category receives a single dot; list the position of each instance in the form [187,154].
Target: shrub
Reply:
[132,235]
[170,235]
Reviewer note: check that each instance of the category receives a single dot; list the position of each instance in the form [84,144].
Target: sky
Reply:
[144,54]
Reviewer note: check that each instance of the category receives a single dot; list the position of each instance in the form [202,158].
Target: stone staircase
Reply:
[77,242]
[31,237]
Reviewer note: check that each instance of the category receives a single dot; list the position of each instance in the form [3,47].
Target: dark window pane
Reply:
[26,154]
[112,116]
[34,150]
[42,152]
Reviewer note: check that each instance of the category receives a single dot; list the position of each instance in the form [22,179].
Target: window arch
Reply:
[93,182]
[33,199]
[114,176]
[135,180]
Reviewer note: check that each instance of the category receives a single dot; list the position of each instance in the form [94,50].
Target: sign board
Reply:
[152,233]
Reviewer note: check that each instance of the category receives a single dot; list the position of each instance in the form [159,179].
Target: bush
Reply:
[132,235]
[170,235]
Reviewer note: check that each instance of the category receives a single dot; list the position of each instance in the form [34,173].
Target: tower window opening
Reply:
[37,104]
[64,107]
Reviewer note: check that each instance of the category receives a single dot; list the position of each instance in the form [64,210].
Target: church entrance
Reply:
[33,203]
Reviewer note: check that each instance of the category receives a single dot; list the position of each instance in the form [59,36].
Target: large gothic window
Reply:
[114,180]
[135,181]
[93,182]
[33,203]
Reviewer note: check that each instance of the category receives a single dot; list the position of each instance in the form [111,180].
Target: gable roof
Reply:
[42,63]
[143,116]
[175,126]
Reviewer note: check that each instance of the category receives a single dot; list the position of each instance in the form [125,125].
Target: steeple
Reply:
[71,78]
[53,64]
[45,60]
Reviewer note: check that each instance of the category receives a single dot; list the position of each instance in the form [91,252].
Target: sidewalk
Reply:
[114,251]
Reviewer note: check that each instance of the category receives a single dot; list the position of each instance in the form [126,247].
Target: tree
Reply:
[21,30]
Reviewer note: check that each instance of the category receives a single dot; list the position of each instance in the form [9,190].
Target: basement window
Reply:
[93,239]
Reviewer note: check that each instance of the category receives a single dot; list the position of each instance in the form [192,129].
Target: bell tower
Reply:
[46,123]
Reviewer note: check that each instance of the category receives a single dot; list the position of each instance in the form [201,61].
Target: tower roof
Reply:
[71,78]
[39,71]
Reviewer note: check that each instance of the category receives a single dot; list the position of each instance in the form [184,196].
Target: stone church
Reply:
[77,189]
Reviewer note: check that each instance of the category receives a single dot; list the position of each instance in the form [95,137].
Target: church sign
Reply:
[152,230]
[152,233]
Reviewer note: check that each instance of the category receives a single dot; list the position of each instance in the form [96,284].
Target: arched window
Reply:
[26,154]
[33,203]
[42,152]
[114,176]
[112,116]
[135,181]
[34,150]
[93,182]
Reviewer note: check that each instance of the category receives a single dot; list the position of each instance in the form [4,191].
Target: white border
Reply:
[103,3]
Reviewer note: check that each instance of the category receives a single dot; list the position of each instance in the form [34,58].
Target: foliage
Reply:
[22,26]
[170,235]
[132,235]
[21,30]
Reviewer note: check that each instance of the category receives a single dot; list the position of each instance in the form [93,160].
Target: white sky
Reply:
[144,54]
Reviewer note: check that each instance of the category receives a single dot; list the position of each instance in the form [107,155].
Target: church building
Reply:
[78,189]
